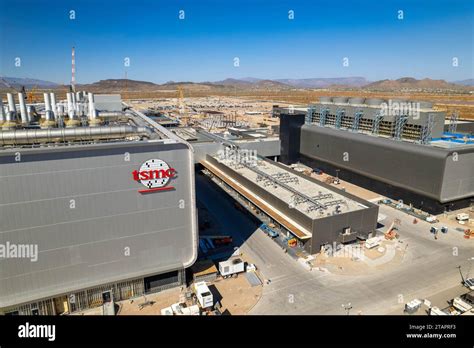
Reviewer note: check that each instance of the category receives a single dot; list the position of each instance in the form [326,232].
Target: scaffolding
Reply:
[453,122]
[427,130]
[324,112]
[400,121]
[376,124]
[355,122]
[309,115]
[339,114]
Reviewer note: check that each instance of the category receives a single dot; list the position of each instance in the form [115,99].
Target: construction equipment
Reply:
[32,95]
[468,233]
[462,217]
[329,180]
[269,231]
[391,232]
[292,242]
[372,242]
[218,240]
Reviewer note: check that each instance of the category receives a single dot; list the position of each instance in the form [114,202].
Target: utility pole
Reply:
[460,272]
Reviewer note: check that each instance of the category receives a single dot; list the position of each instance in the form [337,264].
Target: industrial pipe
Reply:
[54,107]
[23,111]
[74,101]
[11,103]
[70,106]
[31,113]
[11,116]
[112,114]
[33,136]
[60,110]
[10,121]
[47,102]
[92,113]
[2,112]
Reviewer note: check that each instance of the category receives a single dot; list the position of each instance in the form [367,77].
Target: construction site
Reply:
[211,113]
[237,180]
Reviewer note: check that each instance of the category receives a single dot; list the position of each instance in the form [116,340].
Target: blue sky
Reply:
[202,47]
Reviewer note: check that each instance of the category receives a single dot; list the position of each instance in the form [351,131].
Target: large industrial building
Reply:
[313,213]
[93,203]
[396,148]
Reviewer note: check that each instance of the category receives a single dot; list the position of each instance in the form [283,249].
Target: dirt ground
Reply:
[346,264]
[350,188]
[162,300]
[236,295]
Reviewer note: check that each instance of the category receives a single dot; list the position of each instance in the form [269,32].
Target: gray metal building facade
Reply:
[81,206]
[430,177]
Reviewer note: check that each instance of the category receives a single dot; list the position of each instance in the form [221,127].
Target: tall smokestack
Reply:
[73,69]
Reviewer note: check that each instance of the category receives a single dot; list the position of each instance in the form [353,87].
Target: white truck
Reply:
[462,217]
[203,295]
[461,305]
[437,311]
[372,242]
[180,309]
[232,266]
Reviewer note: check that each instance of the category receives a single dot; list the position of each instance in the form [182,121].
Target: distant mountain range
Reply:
[251,83]
[325,82]
[411,84]
[468,82]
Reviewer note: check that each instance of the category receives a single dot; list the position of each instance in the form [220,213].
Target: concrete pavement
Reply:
[428,267]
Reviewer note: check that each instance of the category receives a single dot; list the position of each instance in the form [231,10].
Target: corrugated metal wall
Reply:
[415,167]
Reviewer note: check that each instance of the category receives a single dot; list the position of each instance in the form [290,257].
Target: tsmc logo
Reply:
[154,174]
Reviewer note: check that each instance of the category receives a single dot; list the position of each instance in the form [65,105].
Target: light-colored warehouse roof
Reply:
[307,196]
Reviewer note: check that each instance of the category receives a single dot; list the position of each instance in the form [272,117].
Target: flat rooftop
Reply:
[307,196]
[199,135]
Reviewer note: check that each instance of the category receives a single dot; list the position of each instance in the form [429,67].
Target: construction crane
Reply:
[22,90]
[6,83]
[125,95]
[31,95]
[180,99]
[181,106]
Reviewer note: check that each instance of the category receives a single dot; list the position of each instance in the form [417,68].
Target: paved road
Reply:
[429,266]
